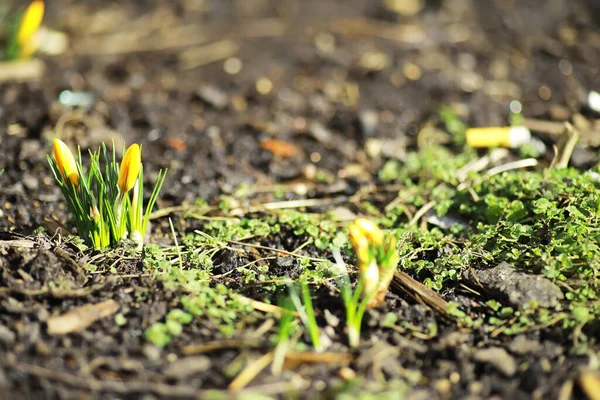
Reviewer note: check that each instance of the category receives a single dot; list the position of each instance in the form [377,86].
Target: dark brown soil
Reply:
[331,75]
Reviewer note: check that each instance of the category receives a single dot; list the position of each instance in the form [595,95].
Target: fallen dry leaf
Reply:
[81,317]
[176,144]
[279,147]
[295,359]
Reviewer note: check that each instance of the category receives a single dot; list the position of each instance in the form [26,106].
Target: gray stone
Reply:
[498,358]
[187,366]
[285,262]
[213,96]
[522,345]
[6,335]
[518,287]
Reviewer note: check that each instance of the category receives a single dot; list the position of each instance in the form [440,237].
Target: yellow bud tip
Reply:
[370,231]
[95,213]
[30,22]
[391,244]
[130,168]
[66,162]
[361,246]
[370,276]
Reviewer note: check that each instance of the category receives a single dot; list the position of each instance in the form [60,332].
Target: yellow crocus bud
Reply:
[367,264]
[30,23]
[370,275]
[130,168]
[95,213]
[360,244]
[66,162]
[370,230]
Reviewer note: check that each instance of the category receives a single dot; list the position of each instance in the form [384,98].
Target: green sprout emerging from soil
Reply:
[99,202]
[377,259]
[305,309]
[286,327]
[355,308]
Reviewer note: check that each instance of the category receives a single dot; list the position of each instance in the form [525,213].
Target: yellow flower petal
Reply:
[361,246]
[95,213]
[130,168]
[30,22]
[370,230]
[370,276]
[66,162]
[368,242]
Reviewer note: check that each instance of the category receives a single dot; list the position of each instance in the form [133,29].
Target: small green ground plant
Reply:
[540,221]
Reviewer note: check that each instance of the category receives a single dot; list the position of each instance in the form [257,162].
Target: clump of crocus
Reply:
[23,42]
[376,257]
[99,200]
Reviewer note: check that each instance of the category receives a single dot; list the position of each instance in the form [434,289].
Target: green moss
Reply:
[158,334]
[543,222]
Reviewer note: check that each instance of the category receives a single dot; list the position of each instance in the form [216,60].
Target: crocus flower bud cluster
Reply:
[376,258]
[99,201]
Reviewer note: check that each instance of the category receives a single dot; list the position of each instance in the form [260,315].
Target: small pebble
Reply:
[347,374]
[443,386]
[369,119]
[213,96]
[522,345]
[152,352]
[264,85]
[187,366]
[232,65]
[6,335]
[498,358]
[30,181]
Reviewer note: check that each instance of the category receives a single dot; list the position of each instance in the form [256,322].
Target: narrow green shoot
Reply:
[286,326]
[306,311]
[141,224]
[355,303]
[179,255]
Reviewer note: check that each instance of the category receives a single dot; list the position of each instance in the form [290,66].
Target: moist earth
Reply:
[253,105]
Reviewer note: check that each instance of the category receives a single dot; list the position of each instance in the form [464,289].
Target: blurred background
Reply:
[230,93]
